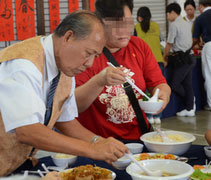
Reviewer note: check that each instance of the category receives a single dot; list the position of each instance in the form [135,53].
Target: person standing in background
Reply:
[202,28]
[180,63]
[149,31]
[190,8]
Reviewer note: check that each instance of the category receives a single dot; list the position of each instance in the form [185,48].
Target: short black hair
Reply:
[173,7]
[112,8]
[205,3]
[190,2]
[80,22]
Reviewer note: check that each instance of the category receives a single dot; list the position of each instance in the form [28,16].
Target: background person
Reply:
[202,28]
[30,71]
[149,31]
[181,63]
[111,113]
[190,8]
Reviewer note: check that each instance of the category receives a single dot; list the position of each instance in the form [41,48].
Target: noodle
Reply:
[174,137]
[87,172]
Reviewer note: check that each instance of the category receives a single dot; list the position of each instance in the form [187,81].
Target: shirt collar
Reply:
[207,8]
[50,63]
[188,20]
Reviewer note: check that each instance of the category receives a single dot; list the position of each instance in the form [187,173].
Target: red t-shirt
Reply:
[111,114]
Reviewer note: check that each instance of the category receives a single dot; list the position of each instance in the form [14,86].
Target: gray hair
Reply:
[80,22]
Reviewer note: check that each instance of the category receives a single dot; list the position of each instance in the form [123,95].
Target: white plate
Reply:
[113,174]
[136,156]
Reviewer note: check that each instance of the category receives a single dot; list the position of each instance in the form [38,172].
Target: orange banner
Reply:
[92,5]
[25,19]
[54,14]
[6,21]
[73,5]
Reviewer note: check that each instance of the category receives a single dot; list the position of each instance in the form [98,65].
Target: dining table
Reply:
[195,154]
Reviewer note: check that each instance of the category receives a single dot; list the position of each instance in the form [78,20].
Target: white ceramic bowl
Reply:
[121,163]
[150,107]
[177,148]
[135,148]
[207,150]
[183,170]
[63,160]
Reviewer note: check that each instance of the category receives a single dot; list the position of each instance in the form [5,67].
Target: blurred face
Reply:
[201,8]
[118,32]
[171,16]
[74,56]
[190,10]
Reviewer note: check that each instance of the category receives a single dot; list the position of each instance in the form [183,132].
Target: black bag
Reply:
[179,58]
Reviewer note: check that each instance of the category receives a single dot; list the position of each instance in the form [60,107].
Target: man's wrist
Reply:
[94,139]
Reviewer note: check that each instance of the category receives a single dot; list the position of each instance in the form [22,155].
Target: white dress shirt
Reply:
[22,98]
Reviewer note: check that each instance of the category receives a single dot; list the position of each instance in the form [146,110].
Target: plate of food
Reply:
[202,172]
[145,156]
[87,172]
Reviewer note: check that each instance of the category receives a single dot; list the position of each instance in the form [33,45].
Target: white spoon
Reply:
[163,135]
[154,98]
[157,173]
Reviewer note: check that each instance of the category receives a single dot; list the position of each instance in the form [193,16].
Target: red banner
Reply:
[54,14]
[92,5]
[25,19]
[73,5]
[6,21]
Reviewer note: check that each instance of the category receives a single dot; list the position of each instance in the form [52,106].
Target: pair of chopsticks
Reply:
[45,168]
[41,173]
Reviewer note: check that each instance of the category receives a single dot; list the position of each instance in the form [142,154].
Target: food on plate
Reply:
[198,167]
[62,156]
[174,137]
[199,175]
[164,174]
[86,172]
[145,156]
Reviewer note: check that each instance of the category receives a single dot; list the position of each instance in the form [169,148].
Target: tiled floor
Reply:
[197,125]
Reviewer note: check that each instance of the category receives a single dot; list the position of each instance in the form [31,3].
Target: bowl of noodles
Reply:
[179,144]
[171,170]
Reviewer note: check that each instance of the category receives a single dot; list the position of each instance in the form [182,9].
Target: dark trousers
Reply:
[180,81]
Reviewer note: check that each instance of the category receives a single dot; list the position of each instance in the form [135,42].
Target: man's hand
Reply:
[108,149]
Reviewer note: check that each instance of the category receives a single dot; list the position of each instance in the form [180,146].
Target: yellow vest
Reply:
[152,38]
[12,152]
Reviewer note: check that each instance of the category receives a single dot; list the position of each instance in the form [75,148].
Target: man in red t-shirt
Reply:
[111,113]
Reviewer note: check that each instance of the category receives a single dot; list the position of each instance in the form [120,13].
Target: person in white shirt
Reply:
[25,84]
[190,8]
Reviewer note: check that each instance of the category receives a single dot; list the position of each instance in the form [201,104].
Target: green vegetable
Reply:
[198,175]
[144,98]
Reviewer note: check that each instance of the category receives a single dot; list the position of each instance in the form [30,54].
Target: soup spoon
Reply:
[163,135]
[157,173]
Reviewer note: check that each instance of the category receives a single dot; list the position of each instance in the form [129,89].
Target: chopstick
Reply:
[45,168]
[131,83]
[40,173]
[35,172]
